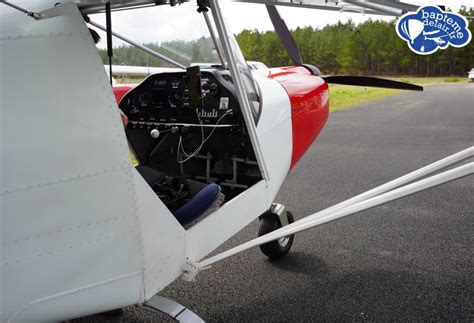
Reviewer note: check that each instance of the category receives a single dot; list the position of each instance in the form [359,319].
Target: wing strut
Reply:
[58,10]
[29,13]
[403,186]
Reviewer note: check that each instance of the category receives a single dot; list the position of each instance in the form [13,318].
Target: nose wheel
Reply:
[272,221]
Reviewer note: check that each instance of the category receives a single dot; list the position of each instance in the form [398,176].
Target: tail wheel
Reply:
[278,248]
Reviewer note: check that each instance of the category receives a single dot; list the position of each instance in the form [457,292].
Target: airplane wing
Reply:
[373,7]
[96,6]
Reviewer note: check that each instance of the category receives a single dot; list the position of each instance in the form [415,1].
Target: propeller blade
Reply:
[372,82]
[284,34]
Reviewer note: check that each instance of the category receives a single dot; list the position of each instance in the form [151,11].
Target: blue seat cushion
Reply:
[199,204]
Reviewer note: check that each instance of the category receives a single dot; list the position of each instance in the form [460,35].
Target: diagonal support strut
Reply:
[398,188]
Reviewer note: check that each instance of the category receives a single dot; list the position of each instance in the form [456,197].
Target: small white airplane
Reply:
[83,231]
[437,40]
[435,37]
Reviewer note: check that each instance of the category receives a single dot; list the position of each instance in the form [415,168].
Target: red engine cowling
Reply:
[309,98]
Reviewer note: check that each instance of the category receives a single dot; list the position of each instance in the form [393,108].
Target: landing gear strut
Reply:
[274,219]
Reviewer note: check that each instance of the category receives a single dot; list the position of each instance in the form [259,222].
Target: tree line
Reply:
[371,47]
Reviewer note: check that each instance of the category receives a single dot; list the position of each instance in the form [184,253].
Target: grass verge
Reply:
[346,96]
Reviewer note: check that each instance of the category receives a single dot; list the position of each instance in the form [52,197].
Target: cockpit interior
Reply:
[189,125]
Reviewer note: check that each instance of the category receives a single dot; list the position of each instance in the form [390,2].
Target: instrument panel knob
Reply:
[155,133]
[214,89]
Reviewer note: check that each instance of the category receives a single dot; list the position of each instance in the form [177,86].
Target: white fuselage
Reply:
[81,231]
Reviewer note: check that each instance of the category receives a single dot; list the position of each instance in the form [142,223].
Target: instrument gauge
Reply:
[174,98]
[134,111]
[144,98]
[175,84]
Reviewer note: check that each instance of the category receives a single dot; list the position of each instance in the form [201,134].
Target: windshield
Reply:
[179,33]
[186,40]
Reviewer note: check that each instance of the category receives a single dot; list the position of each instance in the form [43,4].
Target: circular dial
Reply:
[174,98]
[144,98]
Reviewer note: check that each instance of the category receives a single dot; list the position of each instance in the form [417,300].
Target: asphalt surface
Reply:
[411,259]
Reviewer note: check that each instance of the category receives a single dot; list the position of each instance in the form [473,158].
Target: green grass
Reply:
[429,80]
[346,96]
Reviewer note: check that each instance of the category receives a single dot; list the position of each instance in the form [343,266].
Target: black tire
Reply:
[278,248]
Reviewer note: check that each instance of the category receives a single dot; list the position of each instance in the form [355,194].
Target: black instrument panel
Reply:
[164,98]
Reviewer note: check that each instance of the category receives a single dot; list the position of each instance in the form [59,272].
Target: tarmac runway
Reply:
[411,259]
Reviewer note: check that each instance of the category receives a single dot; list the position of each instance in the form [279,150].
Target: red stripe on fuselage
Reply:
[309,98]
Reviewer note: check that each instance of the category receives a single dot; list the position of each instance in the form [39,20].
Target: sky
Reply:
[163,23]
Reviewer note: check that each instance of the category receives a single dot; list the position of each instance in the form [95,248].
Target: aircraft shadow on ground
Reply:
[302,263]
